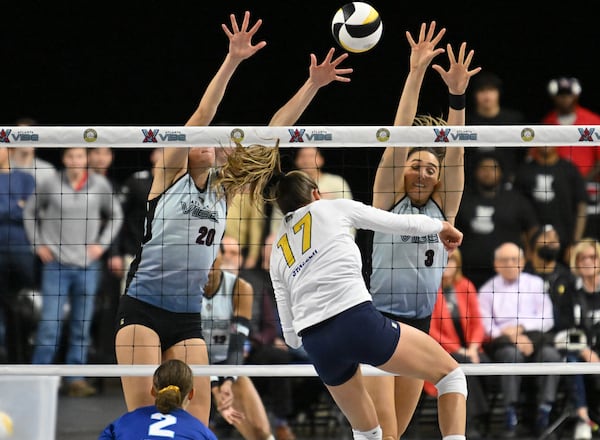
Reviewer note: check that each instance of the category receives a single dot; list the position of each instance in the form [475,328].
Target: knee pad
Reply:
[453,382]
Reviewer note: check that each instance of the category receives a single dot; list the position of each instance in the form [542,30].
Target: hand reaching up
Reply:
[240,39]
[328,71]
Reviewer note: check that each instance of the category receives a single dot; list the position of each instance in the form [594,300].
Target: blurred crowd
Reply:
[524,287]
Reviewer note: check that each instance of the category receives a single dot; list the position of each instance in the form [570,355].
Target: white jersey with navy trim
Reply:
[316,265]
[407,269]
[184,227]
[217,312]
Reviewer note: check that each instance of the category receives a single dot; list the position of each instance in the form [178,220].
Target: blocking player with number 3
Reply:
[407,269]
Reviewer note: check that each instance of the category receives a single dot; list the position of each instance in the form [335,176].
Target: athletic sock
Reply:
[371,434]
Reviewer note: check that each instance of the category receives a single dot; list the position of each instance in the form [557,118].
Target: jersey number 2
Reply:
[164,420]
[304,225]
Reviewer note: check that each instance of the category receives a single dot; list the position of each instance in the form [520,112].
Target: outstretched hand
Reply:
[424,50]
[240,39]
[450,236]
[326,72]
[458,74]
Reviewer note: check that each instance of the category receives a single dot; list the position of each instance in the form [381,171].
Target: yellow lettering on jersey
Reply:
[304,225]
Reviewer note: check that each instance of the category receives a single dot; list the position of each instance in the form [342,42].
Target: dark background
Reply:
[148,62]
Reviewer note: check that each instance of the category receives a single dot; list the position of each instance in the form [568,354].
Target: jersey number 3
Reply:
[304,225]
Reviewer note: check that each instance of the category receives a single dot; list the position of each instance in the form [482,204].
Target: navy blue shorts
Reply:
[359,335]
[171,327]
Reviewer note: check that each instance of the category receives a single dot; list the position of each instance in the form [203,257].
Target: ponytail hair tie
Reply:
[169,388]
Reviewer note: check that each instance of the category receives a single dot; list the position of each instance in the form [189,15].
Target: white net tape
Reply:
[488,369]
[323,136]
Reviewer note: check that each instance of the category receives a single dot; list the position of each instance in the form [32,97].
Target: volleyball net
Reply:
[296,136]
[371,139]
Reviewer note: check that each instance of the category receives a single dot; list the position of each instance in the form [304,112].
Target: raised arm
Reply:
[319,76]
[452,181]
[174,161]
[389,183]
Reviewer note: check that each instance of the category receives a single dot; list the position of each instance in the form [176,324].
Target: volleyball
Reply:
[6,425]
[357,27]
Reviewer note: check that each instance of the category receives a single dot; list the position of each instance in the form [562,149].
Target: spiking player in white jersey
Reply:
[158,316]
[226,314]
[323,302]
[407,268]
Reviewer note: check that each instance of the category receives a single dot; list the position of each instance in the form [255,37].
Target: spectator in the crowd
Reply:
[332,186]
[100,161]
[491,214]
[71,222]
[543,261]
[246,223]
[488,109]
[578,335]
[134,196]
[25,159]
[267,346]
[565,93]
[557,191]
[517,314]
[227,305]
[16,257]
[231,254]
[456,324]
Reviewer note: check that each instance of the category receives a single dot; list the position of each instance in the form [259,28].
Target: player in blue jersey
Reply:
[159,314]
[172,391]
[407,270]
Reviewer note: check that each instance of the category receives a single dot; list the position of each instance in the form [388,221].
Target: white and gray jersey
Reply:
[407,270]
[217,312]
[183,231]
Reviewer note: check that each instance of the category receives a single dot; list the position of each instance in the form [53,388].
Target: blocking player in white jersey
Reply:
[226,314]
[407,268]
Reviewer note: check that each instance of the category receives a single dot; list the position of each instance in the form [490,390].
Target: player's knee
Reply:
[453,382]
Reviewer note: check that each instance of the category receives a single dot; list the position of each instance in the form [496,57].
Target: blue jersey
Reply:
[147,423]
[184,227]
[407,271]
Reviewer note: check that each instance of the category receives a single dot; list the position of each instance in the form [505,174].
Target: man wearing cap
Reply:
[565,94]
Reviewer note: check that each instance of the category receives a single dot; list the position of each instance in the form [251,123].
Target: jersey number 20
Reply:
[304,225]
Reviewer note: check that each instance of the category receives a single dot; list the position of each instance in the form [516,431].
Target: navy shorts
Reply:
[171,327]
[359,335]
